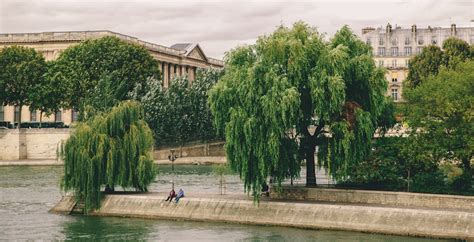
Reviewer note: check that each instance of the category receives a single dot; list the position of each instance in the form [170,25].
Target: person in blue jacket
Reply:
[180,195]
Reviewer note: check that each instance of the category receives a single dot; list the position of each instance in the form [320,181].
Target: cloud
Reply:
[219,25]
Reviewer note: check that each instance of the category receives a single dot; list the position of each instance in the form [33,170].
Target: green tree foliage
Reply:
[455,51]
[432,58]
[412,163]
[111,149]
[441,109]
[291,92]
[180,113]
[102,72]
[50,93]
[21,69]
[425,64]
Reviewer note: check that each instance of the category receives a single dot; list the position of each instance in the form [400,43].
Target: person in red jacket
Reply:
[171,195]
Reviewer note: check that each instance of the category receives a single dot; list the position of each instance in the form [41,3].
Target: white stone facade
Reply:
[393,47]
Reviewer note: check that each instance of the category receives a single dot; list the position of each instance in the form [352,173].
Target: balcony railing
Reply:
[396,54]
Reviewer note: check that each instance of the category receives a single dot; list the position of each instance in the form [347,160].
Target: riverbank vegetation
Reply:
[180,113]
[111,149]
[437,154]
[278,103]
[291,92]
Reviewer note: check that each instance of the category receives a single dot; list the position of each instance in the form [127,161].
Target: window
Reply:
[381,51]
[2,113]
[395,94]
[394,63]
[33,116]
[472,39]
[419,50]
[407,51]
[57,117]
[380,62]
[434,40]
[407,40]
[420,40]
[74,116]
[394,51]
[381,40]
[16,114]
[407,62]
[368,41]
[394,41]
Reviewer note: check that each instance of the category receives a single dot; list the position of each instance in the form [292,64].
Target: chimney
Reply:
[413,28]
[453,29]
[388,28]
[367,29]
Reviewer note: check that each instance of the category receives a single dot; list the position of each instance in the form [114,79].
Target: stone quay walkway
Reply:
[238,208]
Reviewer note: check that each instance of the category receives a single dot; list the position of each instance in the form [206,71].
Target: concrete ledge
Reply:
[204,160]
[65,206]
[31,163]
[371,219]
[207,160]
[399,199]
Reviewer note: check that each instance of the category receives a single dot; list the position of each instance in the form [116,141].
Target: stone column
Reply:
[171,70]
[192,72]
[183,70]
[165,75]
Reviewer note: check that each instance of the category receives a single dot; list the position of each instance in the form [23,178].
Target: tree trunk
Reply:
[466,161]
[41,119]
[19,116]
[310,166]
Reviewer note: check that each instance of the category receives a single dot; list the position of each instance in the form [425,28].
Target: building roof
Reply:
[181,46]
[182,49]
[192,50]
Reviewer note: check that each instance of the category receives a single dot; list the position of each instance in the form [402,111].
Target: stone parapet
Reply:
[399,199]
[214,149]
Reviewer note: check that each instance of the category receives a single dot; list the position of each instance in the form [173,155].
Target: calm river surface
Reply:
[27,193]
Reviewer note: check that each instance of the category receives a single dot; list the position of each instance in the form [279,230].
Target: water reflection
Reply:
[101,228]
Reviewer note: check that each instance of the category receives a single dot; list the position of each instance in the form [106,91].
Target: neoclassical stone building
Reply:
[393,47]
[177,60]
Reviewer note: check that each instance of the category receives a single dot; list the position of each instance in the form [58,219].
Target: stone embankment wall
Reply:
[400,199]
[20,144]
[42,144]
[213,149]
[373,219]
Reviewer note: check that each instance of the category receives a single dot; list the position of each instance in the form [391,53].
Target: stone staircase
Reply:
[78,208]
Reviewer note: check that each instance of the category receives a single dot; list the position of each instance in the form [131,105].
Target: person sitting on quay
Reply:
[171,195]
[180,195]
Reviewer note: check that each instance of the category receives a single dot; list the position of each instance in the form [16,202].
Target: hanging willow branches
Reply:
[114,149]
[293,93]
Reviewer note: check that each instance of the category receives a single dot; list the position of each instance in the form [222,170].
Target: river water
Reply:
[27,193]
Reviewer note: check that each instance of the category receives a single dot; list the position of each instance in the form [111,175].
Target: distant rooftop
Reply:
[177,49]
[396,28]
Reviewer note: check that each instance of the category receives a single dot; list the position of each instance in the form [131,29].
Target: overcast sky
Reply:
[219,25]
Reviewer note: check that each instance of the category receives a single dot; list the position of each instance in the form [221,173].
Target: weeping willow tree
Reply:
[291,92]
[113,149]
